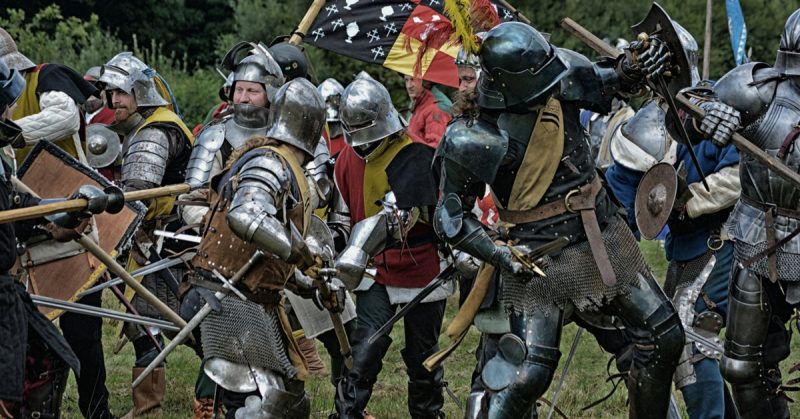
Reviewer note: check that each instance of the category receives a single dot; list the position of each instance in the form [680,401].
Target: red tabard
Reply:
[407,267]
[428,122]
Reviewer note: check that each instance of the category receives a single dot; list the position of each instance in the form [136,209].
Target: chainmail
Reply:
[572,275]
[159,288]
[246,333]
[681,274]
[750,130]
[788,263]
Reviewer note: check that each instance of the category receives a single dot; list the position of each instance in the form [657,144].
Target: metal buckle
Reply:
[566,200]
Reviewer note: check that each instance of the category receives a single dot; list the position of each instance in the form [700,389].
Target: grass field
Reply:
[584,384]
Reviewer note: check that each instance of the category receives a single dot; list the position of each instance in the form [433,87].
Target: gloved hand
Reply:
[65,234]
[336,297]
[98,200]
[720,122]
[503,259]
[650,61]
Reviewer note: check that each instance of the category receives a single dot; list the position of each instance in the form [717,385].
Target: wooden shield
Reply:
[52,173]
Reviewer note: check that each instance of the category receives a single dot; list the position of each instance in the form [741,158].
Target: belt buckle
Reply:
[566,200]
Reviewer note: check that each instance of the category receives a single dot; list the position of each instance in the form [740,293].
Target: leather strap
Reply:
[266,298]
[583,200]
[772,259]
[576,200]
[595,238]
[788,141]
[784,212]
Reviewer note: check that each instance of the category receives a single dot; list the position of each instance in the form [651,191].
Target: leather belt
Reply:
[784,212]
[268,298]
[577,200]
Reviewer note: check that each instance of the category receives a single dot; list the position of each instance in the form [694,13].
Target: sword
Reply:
[144,270]
[567,363]
[691,334]
[101,312]
[438,281]
[196,320]
[183,237]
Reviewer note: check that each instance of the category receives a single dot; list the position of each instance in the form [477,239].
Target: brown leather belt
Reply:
[577,200]
[267,298]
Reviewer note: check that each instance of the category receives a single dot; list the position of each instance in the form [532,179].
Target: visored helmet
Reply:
[331,91]
[367,113]
[257,67]
[788,61]
[519,66]
[131,75]
[11,55]
[298,115]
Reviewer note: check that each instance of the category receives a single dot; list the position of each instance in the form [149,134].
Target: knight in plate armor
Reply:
[387,182]
[762,102]
[260,201]
[156,148]
[542,175]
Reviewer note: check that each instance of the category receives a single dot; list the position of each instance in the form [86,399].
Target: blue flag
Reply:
[738,31]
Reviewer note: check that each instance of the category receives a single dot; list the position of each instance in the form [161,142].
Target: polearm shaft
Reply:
[742,143]
[195,321]
[514,11]
[588,38]
[305,23]
[140,290]
[29,213]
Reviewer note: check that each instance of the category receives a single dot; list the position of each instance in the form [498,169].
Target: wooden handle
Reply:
[305,23]
[29,213]
[744,145]
[595,43]
[513,10]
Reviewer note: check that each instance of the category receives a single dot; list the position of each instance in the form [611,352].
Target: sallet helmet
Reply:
[367,113]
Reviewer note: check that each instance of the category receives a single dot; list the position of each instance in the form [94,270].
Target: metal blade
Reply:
[144,270]
[184,237]
[437,282]
[101,312]
[567,362]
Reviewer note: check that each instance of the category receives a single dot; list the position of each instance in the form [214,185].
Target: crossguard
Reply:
[328,272]
[524,260]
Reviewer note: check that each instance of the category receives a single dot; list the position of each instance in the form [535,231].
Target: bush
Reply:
[50,37]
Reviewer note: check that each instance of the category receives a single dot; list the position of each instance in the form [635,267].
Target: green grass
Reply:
[584,384]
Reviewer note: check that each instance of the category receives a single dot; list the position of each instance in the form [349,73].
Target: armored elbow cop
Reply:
[367,239]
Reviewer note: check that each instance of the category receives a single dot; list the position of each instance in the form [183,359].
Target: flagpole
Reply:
[707,41]
[305,24]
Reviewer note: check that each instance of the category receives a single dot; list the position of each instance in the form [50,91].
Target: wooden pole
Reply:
[130,281]
[29,213]
[305,23]
[707,41]
[595,43]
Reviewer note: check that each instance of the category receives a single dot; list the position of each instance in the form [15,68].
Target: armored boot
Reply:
[525,363]
[656,331]
[761,398]
[425,400]
[476,405]
[355,388]
[147,397]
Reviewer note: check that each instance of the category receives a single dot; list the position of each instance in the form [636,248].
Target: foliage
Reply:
[50,37]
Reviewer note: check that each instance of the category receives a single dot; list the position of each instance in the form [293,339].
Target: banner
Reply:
[381,32]
[738,31]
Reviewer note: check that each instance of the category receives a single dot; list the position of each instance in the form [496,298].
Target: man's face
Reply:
[248,92]
[467,79]
[123,103]
[413,87]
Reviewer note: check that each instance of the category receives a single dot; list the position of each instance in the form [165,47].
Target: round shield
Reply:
[102,146]
[654,199]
